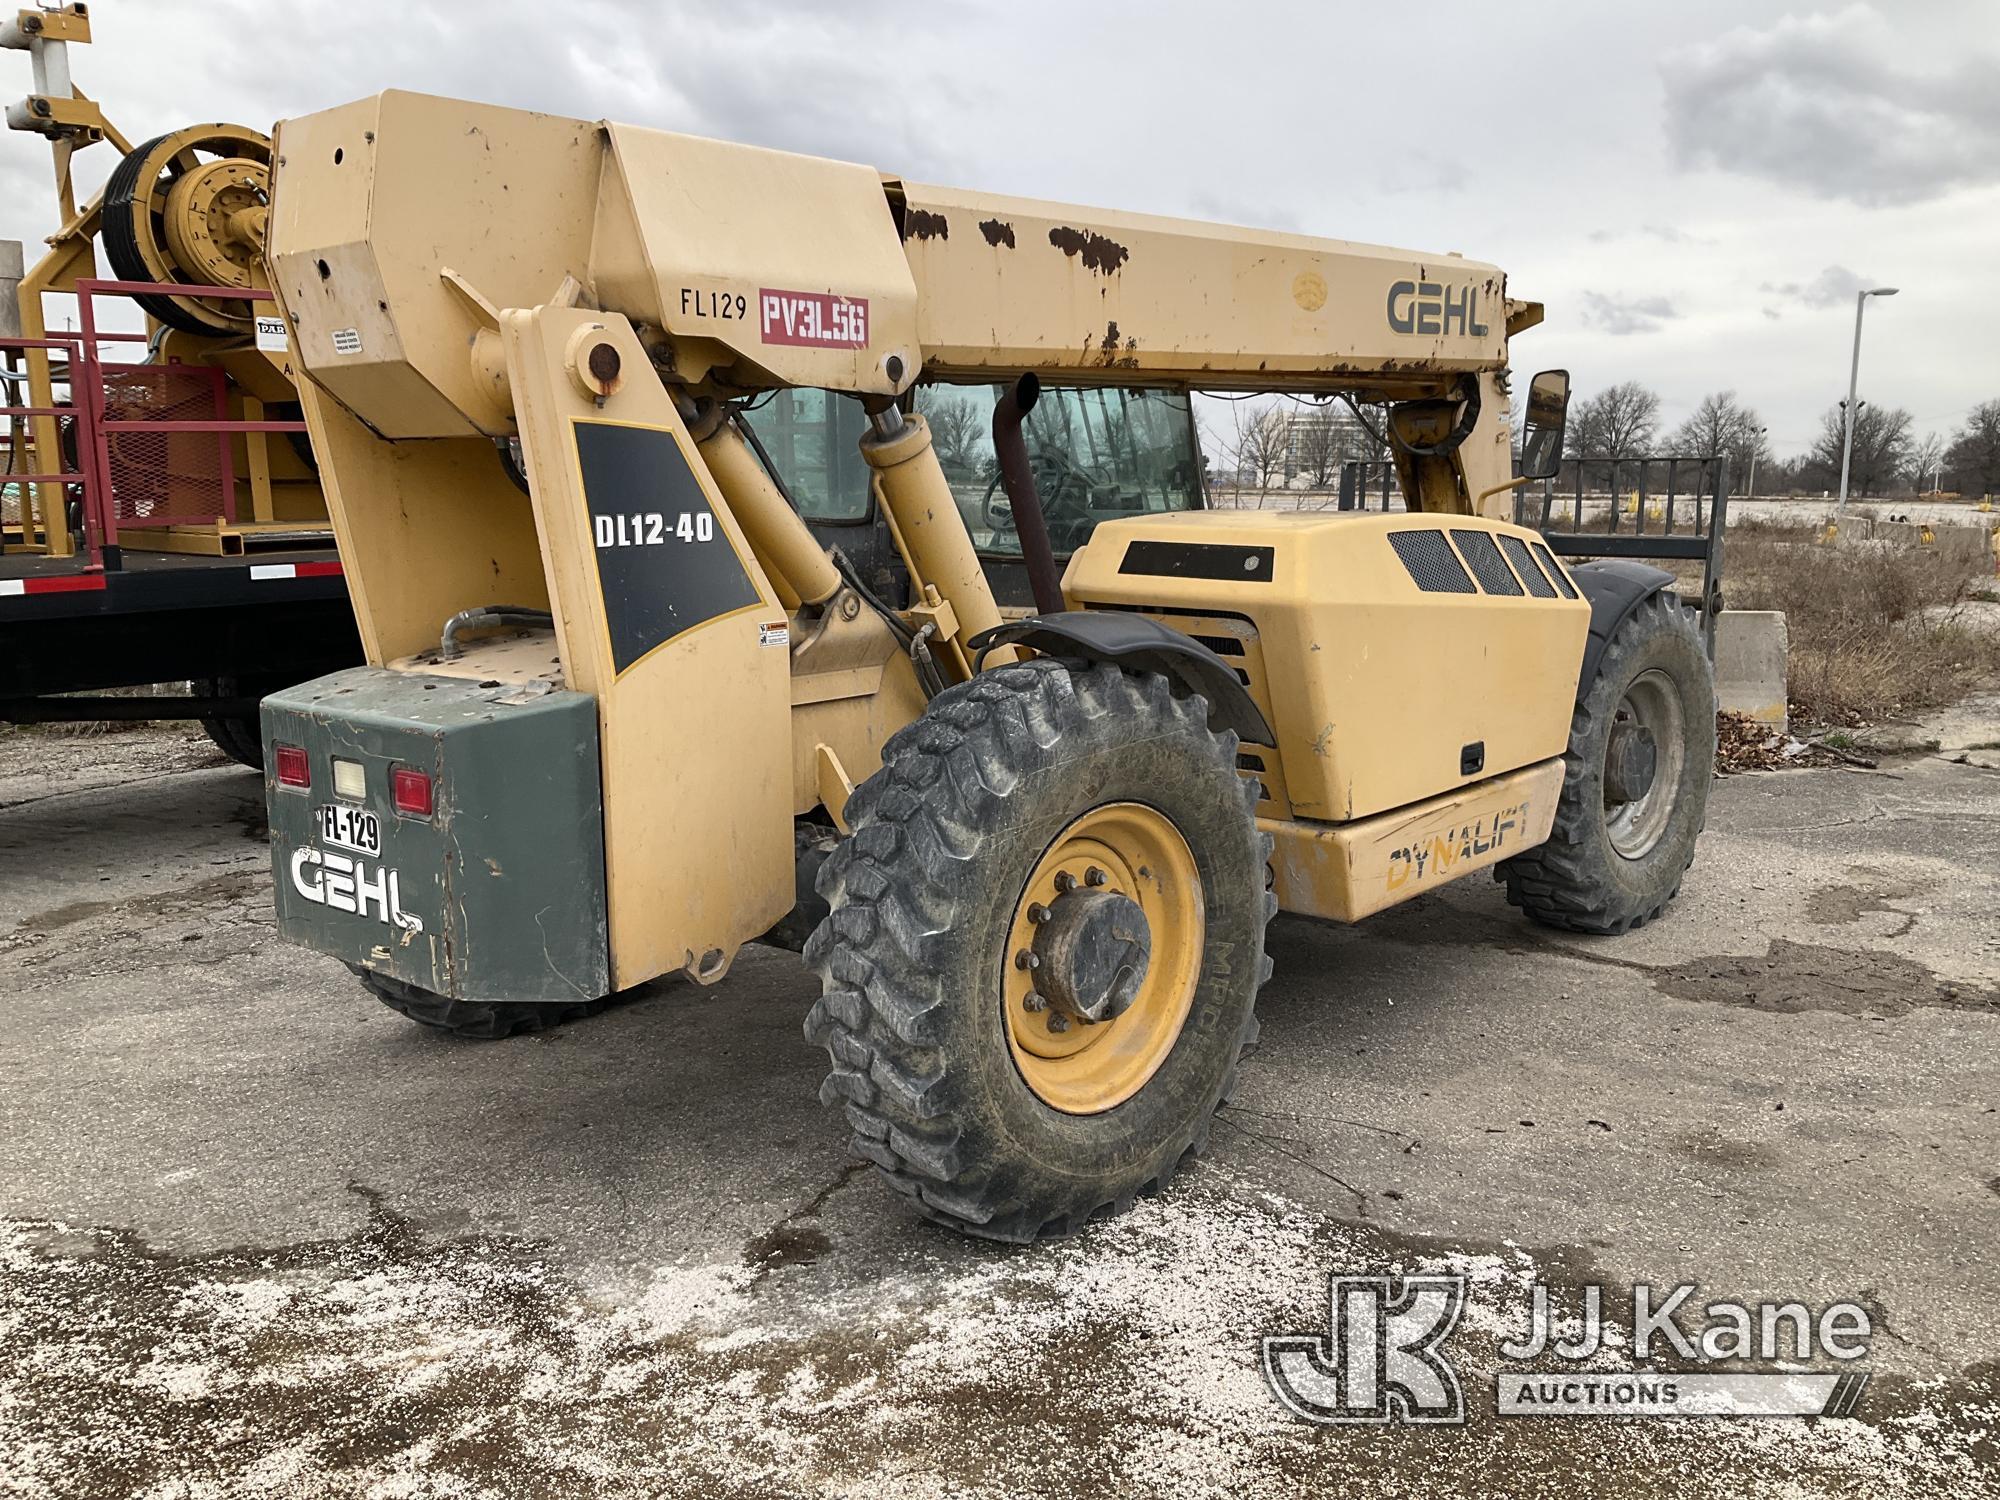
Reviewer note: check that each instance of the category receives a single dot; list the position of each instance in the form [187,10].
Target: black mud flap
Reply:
[1135,643]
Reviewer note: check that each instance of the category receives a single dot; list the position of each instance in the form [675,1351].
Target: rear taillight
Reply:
[410,791]
[293,767]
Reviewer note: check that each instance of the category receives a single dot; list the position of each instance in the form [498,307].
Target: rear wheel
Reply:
[479,1020]
[1635,782]
[1045,940]
[238,736]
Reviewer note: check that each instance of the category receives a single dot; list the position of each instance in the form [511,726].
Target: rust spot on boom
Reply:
[1099,253]
[998,232]
[922,224]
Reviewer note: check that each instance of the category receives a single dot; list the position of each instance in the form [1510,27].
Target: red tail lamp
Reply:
[410,791]
[293,767]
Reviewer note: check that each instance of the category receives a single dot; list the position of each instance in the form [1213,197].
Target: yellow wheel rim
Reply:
[1084,1068]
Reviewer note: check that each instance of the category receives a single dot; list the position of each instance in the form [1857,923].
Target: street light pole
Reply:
[1853,380]
[1758,433]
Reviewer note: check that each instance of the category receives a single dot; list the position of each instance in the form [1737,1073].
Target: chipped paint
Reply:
[1098,252]
[922,224]
[998,232]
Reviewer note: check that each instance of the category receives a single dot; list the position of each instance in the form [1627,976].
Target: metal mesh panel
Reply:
[162,477]
[1431,562]
[1487,565]
[1554,570]
[1524,564]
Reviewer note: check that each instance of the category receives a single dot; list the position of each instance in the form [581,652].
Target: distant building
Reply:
[1305,446]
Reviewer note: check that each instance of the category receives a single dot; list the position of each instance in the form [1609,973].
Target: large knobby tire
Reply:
[242,740]
[238,737]
[922,1010]
[1581,880]
[477,1020]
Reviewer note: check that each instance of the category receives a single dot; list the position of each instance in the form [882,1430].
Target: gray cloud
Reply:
[980,97]
[1813,103]
[1623,315]
[1833,287]
[795,76]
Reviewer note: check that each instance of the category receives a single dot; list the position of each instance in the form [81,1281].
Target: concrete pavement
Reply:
[264,1237]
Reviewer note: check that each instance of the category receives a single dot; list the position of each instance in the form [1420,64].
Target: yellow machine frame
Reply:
[458,275]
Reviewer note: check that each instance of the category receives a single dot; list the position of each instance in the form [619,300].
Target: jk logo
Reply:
[1379,1360]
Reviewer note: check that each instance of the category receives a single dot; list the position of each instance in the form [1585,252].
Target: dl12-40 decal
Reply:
[652,528]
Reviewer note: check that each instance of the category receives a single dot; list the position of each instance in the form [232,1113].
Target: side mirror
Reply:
[1542,429]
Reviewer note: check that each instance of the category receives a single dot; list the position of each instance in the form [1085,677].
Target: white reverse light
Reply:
[350,779]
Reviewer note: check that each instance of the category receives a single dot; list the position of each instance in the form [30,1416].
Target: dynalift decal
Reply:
[815,318]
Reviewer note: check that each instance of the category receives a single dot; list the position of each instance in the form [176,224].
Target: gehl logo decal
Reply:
[1432,307]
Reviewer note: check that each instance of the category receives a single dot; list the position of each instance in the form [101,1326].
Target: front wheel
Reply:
[1635,782]
[1045,939]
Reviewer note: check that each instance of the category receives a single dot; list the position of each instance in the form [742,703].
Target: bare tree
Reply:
[1722,427]
[1882,444]
[1925,460]
[1249,448]
[1618,422]
[957,432]
[1973,459]
[1319,445]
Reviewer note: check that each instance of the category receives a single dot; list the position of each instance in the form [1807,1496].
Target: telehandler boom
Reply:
[625,711]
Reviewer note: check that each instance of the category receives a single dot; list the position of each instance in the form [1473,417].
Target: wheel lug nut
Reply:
[1038,912]
[1034,1001]
[1094,876]
[1065,881]
[1058,1022]
[1026,959]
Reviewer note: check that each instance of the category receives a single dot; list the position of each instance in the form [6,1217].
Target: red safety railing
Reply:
[160,450]
[76,412]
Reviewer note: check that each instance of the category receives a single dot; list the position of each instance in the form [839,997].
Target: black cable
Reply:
[1355,407]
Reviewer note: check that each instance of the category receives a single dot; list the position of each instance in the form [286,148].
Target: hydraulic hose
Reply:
[484,616]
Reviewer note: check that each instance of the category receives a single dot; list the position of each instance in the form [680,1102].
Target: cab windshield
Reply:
[1097,455]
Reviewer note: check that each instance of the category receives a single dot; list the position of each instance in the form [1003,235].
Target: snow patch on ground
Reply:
[1125,1360]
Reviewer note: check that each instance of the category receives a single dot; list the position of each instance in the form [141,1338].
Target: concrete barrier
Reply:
[1750,646]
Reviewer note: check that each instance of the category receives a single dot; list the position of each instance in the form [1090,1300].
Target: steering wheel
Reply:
[1053,473]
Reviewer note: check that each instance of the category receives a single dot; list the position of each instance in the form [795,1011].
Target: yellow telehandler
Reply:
[686,625]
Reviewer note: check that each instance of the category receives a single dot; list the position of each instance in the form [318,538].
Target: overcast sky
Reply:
[1695,189]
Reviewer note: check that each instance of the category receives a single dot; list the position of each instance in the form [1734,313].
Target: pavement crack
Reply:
[1279,1145]
[796,1239]
[1300,1117]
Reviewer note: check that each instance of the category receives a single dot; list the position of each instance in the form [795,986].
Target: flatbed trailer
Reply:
[231,627]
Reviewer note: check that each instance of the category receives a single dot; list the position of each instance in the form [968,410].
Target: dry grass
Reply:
[1877,629]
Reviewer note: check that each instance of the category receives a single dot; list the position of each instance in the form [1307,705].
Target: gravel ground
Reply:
[262,1237]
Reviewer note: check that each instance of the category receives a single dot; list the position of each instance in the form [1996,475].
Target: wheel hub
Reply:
[1631,760]
[1102,957]
[1645,753]
[1092,954]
